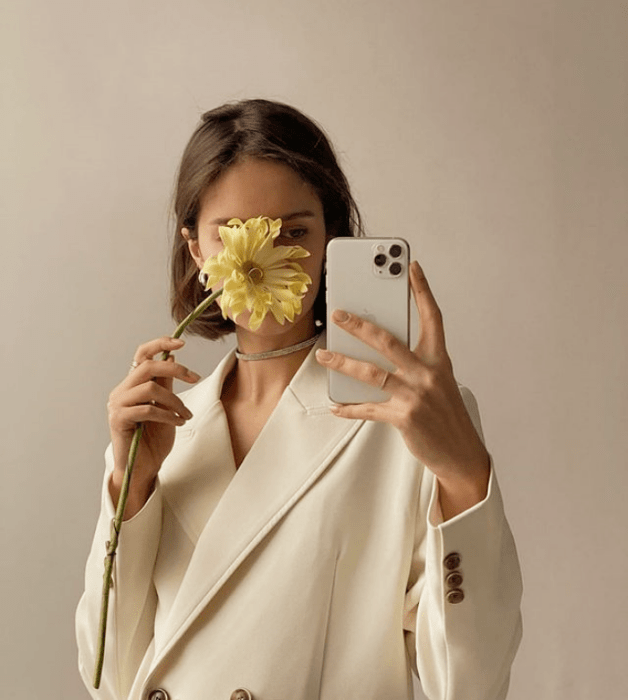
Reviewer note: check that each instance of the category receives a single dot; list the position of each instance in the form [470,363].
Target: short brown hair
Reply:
[260,129]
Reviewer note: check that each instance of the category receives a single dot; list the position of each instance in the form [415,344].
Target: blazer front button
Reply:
[241,694]
[159,694]
[455,596]
[452,561]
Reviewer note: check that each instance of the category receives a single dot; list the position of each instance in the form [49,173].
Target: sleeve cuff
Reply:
[435,515]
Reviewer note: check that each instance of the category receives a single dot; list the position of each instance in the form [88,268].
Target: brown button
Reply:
[455,596]
[452,561]
[454,579]
[159,694]
[241,694]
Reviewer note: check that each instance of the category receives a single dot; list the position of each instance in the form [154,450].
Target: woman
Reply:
[275,546]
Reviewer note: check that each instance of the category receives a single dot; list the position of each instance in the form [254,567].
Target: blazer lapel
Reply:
[200,468]
[295,447]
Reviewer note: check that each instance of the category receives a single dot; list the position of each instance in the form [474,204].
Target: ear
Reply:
[193,247]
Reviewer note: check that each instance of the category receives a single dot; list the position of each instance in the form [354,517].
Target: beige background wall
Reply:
[493,134]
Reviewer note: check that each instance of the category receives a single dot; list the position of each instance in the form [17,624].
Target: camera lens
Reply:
[380,260]
[395,269]
[395,251]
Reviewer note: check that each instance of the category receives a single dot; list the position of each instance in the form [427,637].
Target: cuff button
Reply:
[454,579]
[241,694]
[455,596]
[452,561]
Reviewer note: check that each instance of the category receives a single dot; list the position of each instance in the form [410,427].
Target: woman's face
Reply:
[256,187]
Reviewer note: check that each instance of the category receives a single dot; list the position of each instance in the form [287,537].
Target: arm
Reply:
[143,396]
[463,643]
[464,623]
[464,649]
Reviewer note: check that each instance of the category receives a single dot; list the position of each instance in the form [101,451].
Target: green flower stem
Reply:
[112,545]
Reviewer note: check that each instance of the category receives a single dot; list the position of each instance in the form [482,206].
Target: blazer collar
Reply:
[296,446]
[309,383]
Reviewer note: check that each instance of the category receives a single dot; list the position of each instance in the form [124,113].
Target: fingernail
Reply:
[177,341]
[192,375]
[323,355]
[340,316]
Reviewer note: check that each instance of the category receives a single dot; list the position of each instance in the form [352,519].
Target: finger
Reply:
[366,372]
[158,369]
[153,393]
[376,337]
[148,350]
[128,417]
[432,336]
[363,411]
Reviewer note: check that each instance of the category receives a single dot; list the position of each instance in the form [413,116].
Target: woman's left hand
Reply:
[425,403]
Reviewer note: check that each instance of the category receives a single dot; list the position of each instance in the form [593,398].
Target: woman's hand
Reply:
[145,396]
[425,403]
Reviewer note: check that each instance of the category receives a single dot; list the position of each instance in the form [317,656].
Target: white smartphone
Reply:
[367,277]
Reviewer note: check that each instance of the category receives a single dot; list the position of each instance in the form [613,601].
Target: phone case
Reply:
[367,277]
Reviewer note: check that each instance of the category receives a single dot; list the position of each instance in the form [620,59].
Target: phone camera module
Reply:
[395,251]
[395,269]
[380,260]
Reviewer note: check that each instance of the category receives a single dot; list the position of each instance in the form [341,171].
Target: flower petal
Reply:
[281,284]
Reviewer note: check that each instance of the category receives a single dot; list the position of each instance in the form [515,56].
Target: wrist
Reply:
[462,489]
[139,493]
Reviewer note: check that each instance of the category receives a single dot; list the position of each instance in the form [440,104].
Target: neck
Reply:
[259,381]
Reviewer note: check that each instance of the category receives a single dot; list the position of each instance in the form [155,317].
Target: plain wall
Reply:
[492,134]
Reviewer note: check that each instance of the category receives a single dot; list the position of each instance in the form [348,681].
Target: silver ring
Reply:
[134,365]
[384,380]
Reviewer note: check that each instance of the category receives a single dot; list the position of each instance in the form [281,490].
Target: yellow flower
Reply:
[257,275]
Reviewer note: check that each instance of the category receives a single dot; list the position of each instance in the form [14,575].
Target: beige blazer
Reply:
[319,570]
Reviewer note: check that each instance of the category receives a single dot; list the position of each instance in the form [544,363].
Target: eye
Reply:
[293,234]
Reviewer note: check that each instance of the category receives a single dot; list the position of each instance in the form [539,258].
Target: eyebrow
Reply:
[304,214]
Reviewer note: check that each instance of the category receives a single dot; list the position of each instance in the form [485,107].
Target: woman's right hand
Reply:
[145,396]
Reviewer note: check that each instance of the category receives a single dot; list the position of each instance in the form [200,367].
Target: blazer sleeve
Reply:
[132,600]
[462,611]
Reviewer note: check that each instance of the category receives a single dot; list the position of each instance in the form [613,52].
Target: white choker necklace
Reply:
[277,353]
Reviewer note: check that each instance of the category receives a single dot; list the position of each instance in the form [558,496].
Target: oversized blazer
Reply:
[320,569]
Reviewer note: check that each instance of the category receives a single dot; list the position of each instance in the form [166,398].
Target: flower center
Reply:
[254,274]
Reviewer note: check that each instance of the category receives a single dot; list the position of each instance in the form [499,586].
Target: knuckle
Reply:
[114,419]
[410,417]
[355,322]
[146,411]
[142,350]
[388,342]
[157,367]
[413,414]
[430,381]
[370,411]
[148,366]
[373,374]
[339,361]
[421,395]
